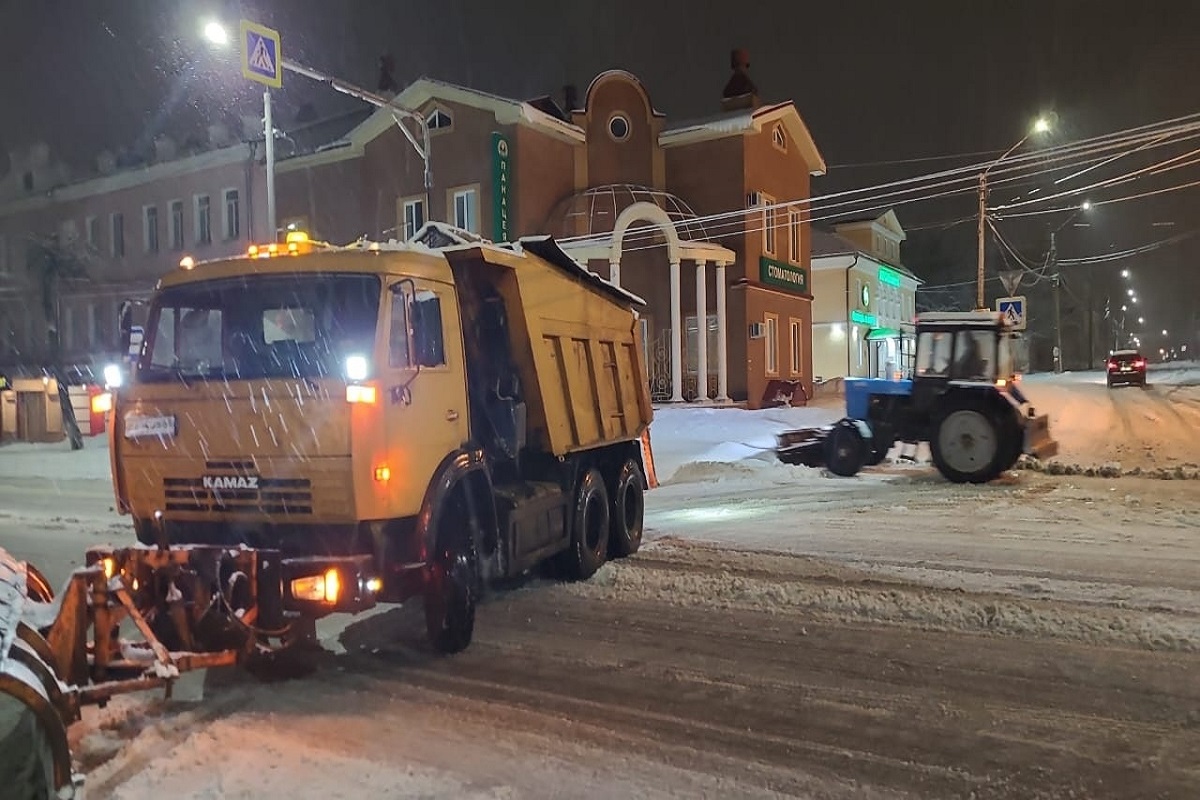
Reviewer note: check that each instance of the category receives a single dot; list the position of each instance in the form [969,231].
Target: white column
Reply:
[614,271]
[676,336]
[722,338]
[701,333]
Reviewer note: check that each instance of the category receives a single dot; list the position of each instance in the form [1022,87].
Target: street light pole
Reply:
[1057,303]
[1040,126]
[269,127]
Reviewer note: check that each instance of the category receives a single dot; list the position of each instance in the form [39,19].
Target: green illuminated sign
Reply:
[788,277]
[862,318]
[500,187]
[889,276]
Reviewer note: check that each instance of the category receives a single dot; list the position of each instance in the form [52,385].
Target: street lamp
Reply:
[215,33]
[1164,332]
[1141,320]
[1124,273]
[1041,125]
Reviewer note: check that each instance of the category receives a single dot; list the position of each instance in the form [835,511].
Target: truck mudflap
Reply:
[1038,441]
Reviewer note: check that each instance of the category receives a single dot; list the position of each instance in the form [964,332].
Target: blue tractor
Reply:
[961,398]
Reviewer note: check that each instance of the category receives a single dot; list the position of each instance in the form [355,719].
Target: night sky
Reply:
[874,81]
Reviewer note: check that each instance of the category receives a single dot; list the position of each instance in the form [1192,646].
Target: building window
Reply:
[118,235]
[150,229]
[203,220]
[176,224]
[91,229]
[794,236]
[768,223]
[412,213]
[233,215]
[772,344]
[466,209]
[618,127]
[779,138]
[796,347]
[438,120]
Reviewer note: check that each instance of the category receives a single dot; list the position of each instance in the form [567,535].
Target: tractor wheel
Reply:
[966,443]
[845,450]
[1012,441]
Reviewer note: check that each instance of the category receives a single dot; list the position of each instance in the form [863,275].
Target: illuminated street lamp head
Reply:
[1124,308]
[1041,125]
[1086,205]
[1124,273]
[1141,320]
[215,33]
[1131,292]
[1164,331]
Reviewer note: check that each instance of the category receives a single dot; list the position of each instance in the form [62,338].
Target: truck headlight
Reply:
[113,377]
[357,368]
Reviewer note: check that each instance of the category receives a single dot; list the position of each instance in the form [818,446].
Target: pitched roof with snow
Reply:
[740,123]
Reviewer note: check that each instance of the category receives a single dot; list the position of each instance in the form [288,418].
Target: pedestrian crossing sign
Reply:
[262,57]
[1013,309]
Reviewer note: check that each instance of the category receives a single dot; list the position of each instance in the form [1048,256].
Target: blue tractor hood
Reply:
[859,391]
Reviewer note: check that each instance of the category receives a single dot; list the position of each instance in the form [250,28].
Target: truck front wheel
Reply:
[450,596]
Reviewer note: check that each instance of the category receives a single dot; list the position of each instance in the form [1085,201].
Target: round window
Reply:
[618,127]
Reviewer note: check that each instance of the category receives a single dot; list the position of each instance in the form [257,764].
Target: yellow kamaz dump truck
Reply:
[312,429]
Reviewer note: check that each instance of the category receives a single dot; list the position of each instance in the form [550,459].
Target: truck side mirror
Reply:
[428,343]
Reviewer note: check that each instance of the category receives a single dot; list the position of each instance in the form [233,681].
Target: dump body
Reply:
[574,339]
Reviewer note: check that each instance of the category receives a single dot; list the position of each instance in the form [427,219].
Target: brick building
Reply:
[622,187]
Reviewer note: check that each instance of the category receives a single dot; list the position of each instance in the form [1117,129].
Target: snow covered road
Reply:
[783,633]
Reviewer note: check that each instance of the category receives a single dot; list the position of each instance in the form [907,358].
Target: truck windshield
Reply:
[261,326]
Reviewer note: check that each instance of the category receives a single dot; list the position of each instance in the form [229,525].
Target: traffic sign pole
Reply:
[269,126]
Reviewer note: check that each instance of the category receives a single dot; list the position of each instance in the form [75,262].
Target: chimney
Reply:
[387,79]
[740,92]
[570,99]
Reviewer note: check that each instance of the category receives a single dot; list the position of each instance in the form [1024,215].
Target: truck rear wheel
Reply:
[966,444]
[450,595]
[627,511]
[589,528]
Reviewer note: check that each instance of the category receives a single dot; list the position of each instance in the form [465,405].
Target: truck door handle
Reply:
[451,415]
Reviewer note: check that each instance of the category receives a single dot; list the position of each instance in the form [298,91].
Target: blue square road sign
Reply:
[262,56]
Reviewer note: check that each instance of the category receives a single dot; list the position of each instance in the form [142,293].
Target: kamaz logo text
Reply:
[230,481]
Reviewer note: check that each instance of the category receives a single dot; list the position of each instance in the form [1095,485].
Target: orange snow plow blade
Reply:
[35,760]
[1038,441]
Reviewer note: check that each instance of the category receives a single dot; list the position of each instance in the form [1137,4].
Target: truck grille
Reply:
[231,486]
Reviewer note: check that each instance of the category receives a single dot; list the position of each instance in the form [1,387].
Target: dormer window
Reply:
[438,120]
[779,138]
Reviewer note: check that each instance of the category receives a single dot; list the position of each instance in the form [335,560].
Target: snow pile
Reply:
[703,439]
[753,582]
[1155,431]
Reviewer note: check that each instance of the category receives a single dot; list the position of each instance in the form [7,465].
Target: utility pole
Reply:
[980,256]
[1057,304]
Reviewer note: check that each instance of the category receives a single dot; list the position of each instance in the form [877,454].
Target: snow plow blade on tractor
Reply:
[963,400]
[191,608]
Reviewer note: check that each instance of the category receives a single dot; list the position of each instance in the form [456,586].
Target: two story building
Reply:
[121,231]
[865,300]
